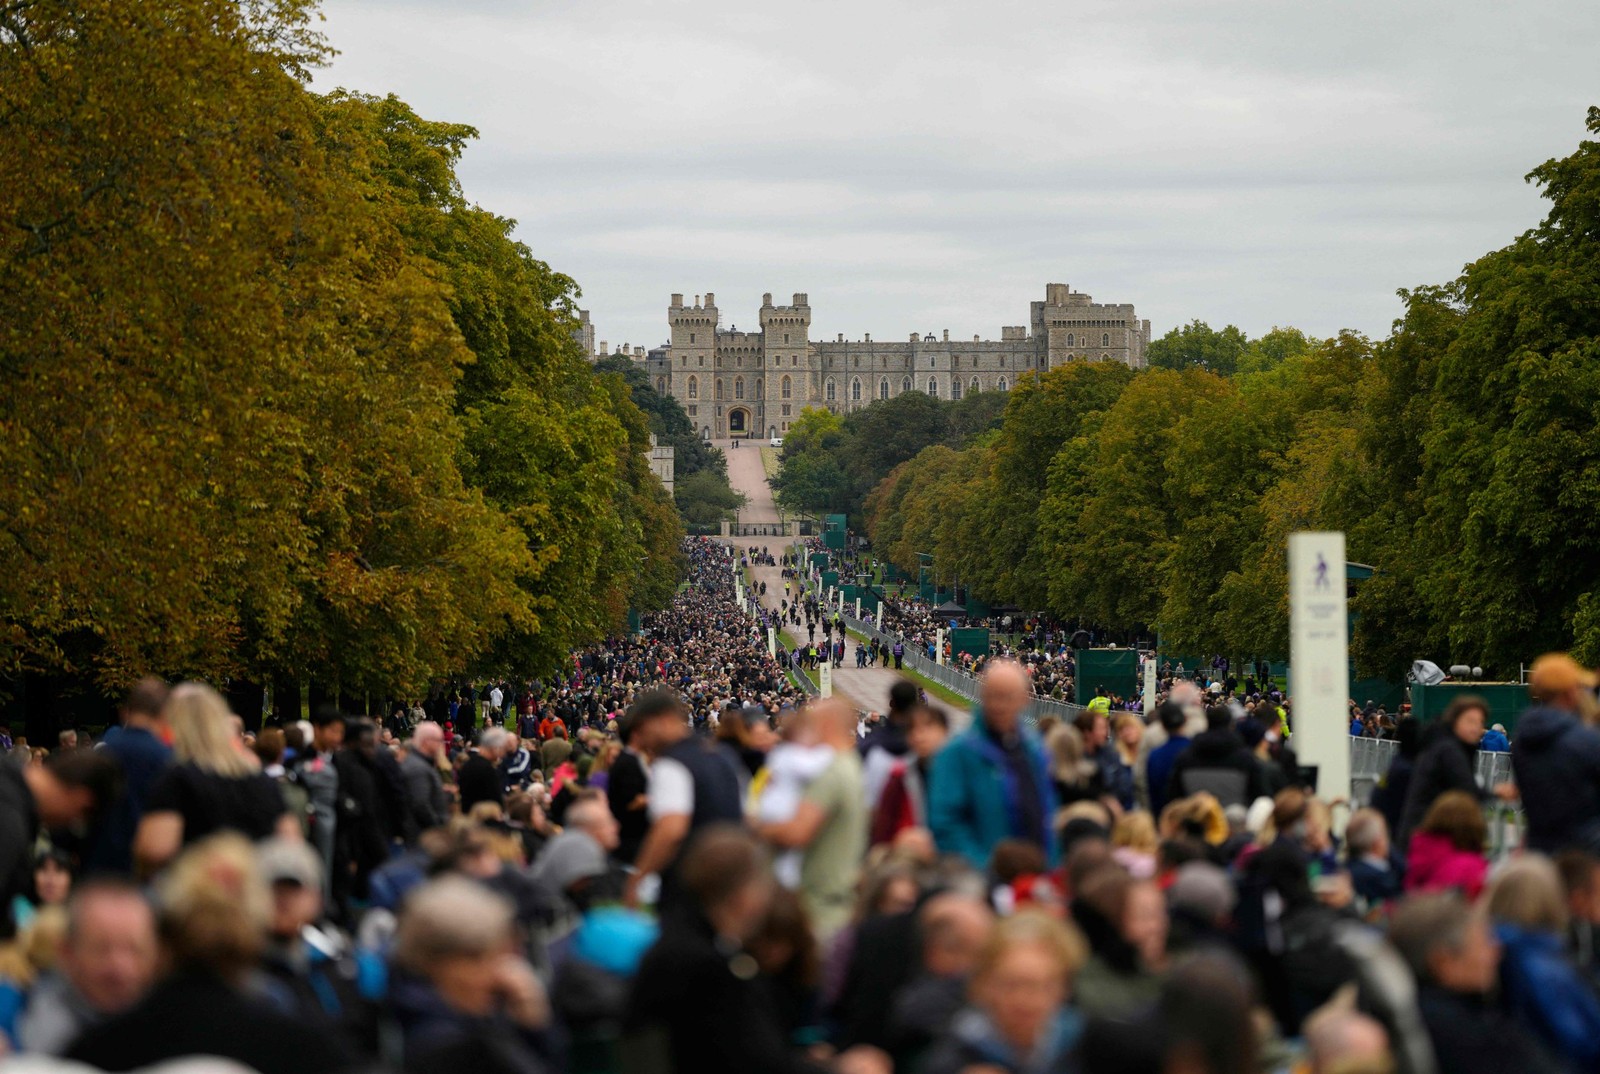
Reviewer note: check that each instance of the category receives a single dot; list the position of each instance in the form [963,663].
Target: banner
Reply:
[825,678]
[1149,683]
[772,641]
[1319,661]
[938,652]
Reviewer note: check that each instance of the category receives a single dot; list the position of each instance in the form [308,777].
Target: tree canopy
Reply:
[1457,454]
[276,400]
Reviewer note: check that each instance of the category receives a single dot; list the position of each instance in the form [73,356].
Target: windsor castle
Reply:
[755,383]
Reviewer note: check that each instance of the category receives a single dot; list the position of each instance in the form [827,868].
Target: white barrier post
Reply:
[825,678]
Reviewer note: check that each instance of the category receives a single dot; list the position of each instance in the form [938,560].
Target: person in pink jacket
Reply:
[1446,850]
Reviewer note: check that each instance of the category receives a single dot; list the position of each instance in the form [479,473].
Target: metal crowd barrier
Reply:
[957,681]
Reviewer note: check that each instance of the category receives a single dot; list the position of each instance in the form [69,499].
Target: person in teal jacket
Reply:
[992,782]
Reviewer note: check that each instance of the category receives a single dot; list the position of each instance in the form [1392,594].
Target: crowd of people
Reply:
[679,862]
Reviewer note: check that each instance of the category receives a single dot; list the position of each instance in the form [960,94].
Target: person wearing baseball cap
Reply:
[1556,758]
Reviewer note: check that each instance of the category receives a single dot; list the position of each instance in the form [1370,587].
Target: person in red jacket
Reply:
[903,803]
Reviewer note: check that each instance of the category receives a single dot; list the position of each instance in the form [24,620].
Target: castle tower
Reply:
[787,358]
[692,357]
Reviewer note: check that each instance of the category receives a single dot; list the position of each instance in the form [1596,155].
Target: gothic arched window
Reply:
[785,387]
[694,387]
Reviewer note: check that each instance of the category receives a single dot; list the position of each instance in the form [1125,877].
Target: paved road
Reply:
[865,688]
[746,476]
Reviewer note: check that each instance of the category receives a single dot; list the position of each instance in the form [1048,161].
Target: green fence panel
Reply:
[1507,700]
[1115,670]
[974,640]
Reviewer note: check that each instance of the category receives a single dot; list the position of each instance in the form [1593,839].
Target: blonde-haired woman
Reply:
[217,784]
[1019,1019]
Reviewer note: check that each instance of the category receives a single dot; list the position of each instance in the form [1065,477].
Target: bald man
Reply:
[424,783]
[992,782]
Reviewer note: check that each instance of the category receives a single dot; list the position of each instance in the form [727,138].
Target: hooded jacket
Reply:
[1557,764]
[1217,762]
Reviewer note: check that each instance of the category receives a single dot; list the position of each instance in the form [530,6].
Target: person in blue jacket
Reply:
[992,782]
[1541,987]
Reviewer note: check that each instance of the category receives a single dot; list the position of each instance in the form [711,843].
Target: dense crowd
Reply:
[668,859]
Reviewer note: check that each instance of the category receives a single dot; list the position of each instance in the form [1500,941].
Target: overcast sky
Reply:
[931,165]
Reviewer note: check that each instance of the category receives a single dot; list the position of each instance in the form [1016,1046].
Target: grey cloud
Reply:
[932,165]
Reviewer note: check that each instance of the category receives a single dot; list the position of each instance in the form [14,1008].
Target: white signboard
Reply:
[858,609]
[938,652]
[1150,682]
[825,678]
[772,641]
[1319,663]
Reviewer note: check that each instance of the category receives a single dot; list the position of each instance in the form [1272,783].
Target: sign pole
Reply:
[1319,656]
[825,678]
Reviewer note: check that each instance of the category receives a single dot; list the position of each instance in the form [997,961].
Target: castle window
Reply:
[758,388]
[1072,341]
[883,388]
[955,361]
[738,360]
[786,337]
[738,387]
[832,393]
[855,390]
[1001,384]
[955,388]
[701,361]
[1105,339]
[858,361]
[795,360]
[976,387]
[719,387]
[785,388]
[694,411]
[694,387]
[691,337]
[786,410]
[683,361]
[905,384]
[933,387]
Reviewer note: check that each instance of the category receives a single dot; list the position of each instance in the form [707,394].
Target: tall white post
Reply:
[938,650]
[1150,683]
[1319,659]
[825,677]
[772,641]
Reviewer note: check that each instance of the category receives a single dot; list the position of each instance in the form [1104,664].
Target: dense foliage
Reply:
[830,463]
[1458,454]
[276,400]
[700,487]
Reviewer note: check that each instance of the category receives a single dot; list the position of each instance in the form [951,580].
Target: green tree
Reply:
[1198,345]
[706,499]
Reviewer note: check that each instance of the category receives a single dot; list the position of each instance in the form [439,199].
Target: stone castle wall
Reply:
[756,383]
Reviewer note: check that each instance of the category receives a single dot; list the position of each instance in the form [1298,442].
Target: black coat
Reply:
[703,1007]
[626,782]
[1445,764]
[194,1014]
[1471,1036]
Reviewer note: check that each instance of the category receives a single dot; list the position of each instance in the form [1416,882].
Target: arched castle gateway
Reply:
[756,383]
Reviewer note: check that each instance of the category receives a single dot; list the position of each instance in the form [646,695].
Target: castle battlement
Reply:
[734,383]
